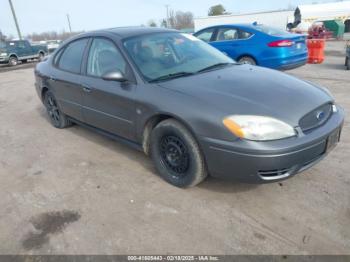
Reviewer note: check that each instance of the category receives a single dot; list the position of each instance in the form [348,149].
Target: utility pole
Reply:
[70,27]
[167,15]
[15,18]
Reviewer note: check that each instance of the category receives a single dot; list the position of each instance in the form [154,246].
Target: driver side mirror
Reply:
[116,75]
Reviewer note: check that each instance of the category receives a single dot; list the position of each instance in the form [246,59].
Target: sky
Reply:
[50,15]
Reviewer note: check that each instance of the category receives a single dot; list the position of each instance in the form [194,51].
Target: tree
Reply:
[163,23]
[180,19]
[152,23]
[217,10]
[2,36]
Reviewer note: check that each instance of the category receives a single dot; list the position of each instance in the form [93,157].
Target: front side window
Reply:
[206,35]
[227,34]
[72,56]
[104,58]
[21,44]
[163,54]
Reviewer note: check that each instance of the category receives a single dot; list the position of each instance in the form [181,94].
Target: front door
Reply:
[108,105]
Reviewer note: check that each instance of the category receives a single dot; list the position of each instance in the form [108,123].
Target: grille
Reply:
[316,117]
[273,173]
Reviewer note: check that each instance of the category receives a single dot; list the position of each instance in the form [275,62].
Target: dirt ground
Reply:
[73,191]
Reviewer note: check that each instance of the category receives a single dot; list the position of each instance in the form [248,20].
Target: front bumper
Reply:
[4,60]
[270,161]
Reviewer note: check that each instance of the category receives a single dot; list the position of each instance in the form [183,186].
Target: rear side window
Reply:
[72,56]
[206,35]
[244,34]
[227,34]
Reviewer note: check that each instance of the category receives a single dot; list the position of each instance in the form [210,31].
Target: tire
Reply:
[176,154]
[13,61]
[347,63]
[247,60]
[57,118]
[41,56]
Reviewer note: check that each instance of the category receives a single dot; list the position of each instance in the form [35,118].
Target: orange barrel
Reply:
[316,51]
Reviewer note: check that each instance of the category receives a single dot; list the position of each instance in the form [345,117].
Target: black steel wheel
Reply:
[174,154]
[57,118]
[177,155]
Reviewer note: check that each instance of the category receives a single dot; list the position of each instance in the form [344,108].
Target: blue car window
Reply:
[206,35]
[226,34]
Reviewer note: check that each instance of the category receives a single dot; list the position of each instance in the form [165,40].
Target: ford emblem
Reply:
[320,115]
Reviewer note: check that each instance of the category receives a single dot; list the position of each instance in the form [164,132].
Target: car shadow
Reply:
[224,186]
[210,184]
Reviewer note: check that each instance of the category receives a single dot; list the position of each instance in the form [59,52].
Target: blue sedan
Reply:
[258,45]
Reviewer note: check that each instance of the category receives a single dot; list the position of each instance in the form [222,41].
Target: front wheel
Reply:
[176,154]
[247,60]
[57,118]
[13,61]
[41,57]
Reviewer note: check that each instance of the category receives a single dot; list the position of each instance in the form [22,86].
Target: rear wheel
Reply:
[57,118]
[247,60]
[13,61]
[176,154]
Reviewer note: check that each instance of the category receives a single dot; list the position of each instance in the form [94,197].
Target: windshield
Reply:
[270,30]
[172,54]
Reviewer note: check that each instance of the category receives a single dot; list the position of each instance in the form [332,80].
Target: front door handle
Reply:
[87,88]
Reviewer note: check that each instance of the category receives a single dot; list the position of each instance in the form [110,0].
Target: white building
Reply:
[280,19]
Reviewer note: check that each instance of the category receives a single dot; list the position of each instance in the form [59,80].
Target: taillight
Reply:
[281,43]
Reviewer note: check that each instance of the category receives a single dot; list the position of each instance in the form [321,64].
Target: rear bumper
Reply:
[271,161]
[285,63]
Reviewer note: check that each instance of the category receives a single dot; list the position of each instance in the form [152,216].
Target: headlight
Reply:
[3,54]
[258,128]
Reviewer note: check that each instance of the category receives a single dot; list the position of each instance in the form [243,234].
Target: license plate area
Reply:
[333,140]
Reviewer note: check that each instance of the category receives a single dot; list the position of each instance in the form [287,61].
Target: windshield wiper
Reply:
[171,76]
[218,65]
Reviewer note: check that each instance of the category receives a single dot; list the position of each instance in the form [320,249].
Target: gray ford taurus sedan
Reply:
[190,107]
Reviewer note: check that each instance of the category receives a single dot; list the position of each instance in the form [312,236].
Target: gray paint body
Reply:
[200,102]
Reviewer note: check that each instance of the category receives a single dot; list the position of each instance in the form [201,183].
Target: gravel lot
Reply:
[75,192]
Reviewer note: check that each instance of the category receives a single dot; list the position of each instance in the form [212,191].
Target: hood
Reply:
[252,90]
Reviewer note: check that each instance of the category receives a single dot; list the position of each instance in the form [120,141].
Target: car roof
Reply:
[130,31]
[243,26]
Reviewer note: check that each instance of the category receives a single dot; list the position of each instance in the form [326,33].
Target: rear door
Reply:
[108,105]
[65,79]
[227,41]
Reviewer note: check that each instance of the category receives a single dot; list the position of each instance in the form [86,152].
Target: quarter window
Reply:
[72,56]
[104,58]
[206,35]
